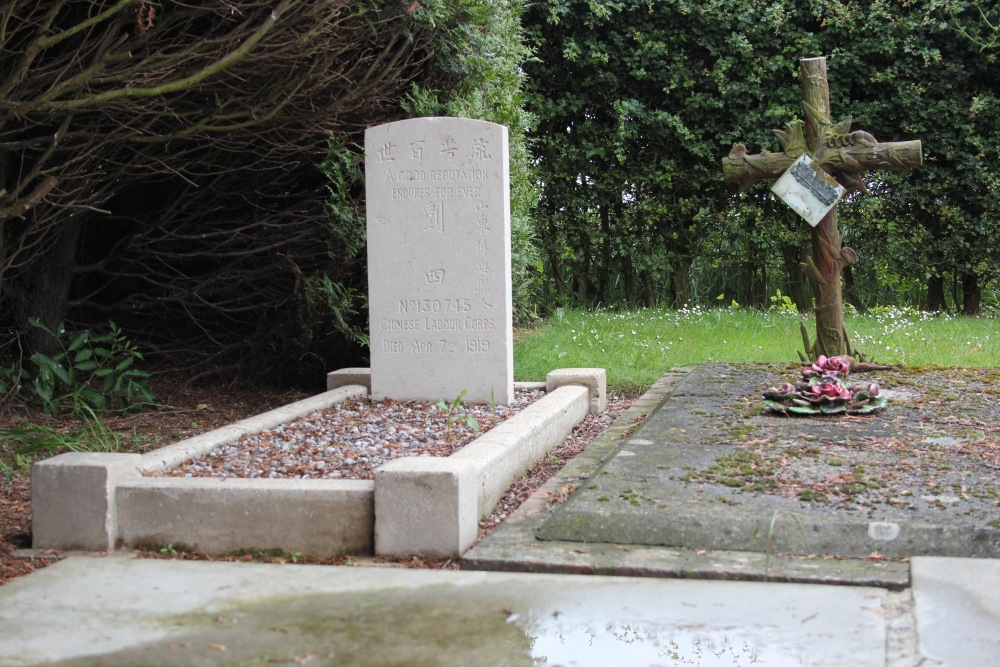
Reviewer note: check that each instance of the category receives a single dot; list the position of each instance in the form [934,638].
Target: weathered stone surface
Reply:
[214,516]
[439,260]
[594,379]
[119,613]
[425,505]
[432,505]
[957,610]
[347,376]
[514,547]
[73,499]
[698,474]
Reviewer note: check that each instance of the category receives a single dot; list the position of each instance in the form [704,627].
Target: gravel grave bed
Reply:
[352,439]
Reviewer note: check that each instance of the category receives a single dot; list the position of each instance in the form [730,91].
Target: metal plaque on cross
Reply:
[808,189]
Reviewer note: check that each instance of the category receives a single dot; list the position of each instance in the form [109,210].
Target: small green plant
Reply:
[296,555]
[95,371]
[451,417]
[782,303]
[733,304]
[169,549]
[28,442]
[770,539]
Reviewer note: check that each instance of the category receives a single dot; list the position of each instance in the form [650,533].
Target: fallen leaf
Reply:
[216,647]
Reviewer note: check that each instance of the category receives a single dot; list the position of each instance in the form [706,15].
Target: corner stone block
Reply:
[348,376]
[594,379]
[73,500]
[425,505]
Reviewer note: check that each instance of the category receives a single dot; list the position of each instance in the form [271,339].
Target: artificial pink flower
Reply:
[837,365]
[871,389]
[831,391]
[780,392]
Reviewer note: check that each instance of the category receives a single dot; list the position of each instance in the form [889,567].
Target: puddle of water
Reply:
[516,624]
[571,643]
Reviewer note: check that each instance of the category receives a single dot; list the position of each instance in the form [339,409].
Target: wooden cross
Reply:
[843,154]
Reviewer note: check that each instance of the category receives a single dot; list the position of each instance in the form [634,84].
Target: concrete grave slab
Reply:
[696,475]
[514,547]
[439,277]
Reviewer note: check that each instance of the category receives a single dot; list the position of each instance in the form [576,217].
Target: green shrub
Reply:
[90,371]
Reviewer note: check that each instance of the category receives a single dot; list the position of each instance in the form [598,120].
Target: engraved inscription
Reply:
[477,346]
[482,218]
[449,147]
[417,150]
[807,177]
[458,175]
[457,305]
[411,193]
[434,216]
[479,151]
[385,152]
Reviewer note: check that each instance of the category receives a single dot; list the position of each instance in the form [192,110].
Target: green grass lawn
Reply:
[637,347]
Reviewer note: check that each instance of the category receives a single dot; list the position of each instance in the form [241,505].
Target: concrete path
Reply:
[114,611]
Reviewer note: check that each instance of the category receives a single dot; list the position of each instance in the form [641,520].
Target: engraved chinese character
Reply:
[385,153]
[481,247]
[478,151]
[482,217]
[417,150]
[433,216]
[449,147]
[483,266]
[483,286]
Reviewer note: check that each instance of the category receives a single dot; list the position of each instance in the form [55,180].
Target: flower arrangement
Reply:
[821,392]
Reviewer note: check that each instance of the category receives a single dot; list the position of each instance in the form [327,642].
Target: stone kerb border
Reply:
[74,496]
[100,502]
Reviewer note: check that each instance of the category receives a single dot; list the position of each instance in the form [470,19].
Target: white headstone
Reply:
[439,284]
